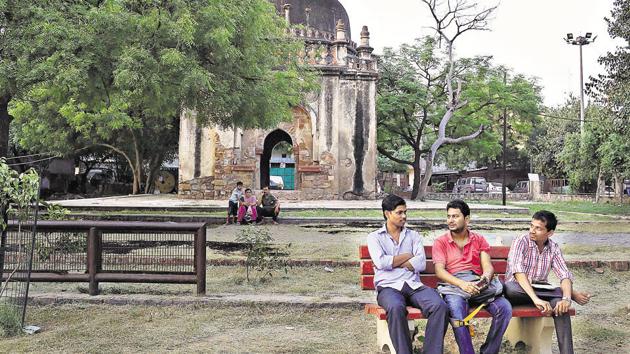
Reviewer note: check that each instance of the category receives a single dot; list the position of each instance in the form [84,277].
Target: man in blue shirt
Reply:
[398,256]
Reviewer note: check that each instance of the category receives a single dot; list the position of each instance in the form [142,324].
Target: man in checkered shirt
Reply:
[532,256]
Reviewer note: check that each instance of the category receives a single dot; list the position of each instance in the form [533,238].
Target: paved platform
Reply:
[172,202]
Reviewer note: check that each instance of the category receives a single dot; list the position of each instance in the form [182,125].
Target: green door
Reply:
[287,174]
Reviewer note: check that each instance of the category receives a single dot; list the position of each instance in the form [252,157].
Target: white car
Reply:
[496,187]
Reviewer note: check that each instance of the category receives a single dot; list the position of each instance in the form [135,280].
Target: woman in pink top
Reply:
[248,206]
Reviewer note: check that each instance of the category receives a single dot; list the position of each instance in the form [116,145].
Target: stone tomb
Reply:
[328,151]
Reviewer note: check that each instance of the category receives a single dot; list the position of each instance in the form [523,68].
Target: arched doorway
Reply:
[277,163]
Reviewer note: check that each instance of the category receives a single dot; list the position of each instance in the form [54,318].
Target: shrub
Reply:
[262,256]
[10,320]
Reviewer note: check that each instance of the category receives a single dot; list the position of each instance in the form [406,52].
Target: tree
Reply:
[127,71]
[612,91]
[423,89]
[598,154]
[549,138]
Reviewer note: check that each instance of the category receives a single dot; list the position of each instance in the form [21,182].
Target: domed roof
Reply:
[323,16]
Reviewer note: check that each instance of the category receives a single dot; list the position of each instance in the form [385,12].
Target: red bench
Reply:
[528,325]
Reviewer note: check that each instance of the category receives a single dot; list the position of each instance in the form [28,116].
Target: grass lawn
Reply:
[567,211]
[603,326]
[578,207]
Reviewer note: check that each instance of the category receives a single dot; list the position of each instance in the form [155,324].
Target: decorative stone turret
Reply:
[307,12]
[341,44]
[341,31]
[287,12]
[364,51]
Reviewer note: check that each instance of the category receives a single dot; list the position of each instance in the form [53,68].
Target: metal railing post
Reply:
[200,260]
[94,258]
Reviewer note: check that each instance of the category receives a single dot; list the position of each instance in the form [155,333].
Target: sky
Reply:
[525,35]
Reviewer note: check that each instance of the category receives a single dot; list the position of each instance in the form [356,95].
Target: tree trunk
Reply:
[618,186]
[417,174]
[5,121]
[154,166]
[428,172]
[137,176]
[600,185]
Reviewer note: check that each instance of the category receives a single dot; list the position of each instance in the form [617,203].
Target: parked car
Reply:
[521,187]
[471,185]
[496,187]
[607,192]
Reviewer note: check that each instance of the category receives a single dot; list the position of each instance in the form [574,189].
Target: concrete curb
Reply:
[619,266]
[44,299]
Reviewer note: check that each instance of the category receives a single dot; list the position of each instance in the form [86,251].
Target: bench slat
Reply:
[495,252]
[430,280]
[500,266]
[415,314]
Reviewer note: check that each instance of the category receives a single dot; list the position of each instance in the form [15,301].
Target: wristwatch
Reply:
[567,298]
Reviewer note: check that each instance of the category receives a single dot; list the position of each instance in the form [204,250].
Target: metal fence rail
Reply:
[103,251]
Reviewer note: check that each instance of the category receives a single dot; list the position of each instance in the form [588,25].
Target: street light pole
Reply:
[503,186]
[581,41]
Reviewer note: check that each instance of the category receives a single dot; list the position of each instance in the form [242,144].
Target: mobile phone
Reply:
[482,283]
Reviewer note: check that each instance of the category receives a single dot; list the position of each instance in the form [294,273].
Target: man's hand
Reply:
[544,306]
[469,287]
[409,266]
[581,297]
[562,307]
[400,260]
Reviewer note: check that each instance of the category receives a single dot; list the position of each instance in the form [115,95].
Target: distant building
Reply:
[332,136]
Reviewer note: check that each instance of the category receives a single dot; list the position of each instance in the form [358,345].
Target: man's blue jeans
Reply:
[501,311]
[433,308]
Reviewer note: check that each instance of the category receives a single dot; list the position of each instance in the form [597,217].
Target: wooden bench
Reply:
[528,325]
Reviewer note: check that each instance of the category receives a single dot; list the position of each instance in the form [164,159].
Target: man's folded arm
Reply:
[381,260]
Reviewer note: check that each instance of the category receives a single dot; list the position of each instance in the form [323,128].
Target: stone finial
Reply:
[307,12]
[365,37]
[341,30]
[287,12]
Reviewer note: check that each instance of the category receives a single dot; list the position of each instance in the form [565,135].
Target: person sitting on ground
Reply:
[463,265]
[531,259]
[268,206]
[247,210]
[398,256]
[235,198]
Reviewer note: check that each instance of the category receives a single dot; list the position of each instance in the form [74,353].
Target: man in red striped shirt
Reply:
[532,257]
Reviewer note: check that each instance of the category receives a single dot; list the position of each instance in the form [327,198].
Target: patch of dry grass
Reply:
[106,329]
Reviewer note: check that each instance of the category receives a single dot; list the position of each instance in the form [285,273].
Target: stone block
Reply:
[620,266]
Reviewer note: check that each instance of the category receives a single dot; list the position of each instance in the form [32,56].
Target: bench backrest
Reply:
[498,255]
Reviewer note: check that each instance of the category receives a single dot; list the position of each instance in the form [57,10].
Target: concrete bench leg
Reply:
[535,332]
[383,340]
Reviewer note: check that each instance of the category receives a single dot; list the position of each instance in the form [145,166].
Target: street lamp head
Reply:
[589,34]
[569,36]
